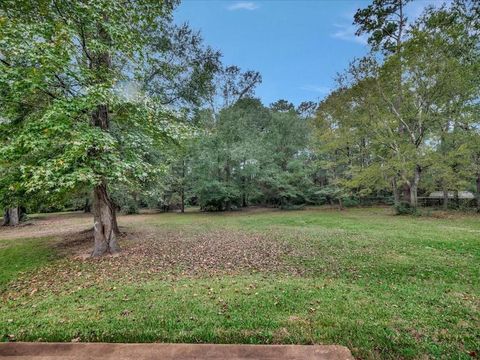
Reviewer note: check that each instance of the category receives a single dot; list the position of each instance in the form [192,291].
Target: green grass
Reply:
[22,255]
[385,286]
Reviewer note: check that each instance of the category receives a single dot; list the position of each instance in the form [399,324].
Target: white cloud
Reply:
[347,32]
[316,88]
[243,5]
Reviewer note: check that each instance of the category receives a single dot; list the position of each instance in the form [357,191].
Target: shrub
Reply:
[404,208]
[350,202]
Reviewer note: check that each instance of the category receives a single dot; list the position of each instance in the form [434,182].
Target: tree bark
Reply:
[105,225]
[445,199]
[396,193]
[11,217]
[182,191]
[87,208]
[182,198]
[414,187]
[478,192]
[115,223]
[244,190]
[228,203]
[406,193]
[104,213]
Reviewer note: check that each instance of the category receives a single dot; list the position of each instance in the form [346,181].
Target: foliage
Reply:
[404,208]
[251,155]
[54,76]
[405,121]
[183,128]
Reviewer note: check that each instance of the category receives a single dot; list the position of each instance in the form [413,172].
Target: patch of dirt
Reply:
[79,244]
[49,225]
[75,241]
[61,225]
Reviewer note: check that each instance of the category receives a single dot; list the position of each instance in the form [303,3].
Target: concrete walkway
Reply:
[76,351]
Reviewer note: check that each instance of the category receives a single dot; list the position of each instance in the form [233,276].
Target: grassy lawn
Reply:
[385,286]
[17,257]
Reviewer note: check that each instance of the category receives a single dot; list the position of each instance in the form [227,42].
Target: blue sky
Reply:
[297,45]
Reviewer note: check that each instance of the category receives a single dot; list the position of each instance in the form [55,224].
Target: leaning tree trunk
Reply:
[11,216]
[104,223]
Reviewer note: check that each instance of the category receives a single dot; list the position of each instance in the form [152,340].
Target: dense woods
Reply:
[112,107]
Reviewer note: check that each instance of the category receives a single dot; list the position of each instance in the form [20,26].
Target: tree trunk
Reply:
[244,190]
[228,203]
[182,198]
[396,193]
[445,199]
[478,192]
[6,218]
[115,223]
[413,196]
[182,194]
[406,193]
[104,214]
[87,208]
[414,187]
[11,217]
[105,225]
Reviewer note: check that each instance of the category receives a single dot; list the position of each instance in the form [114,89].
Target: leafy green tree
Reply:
[380,128]
[282,106]
[182,73]
[86,132]
[385,22]
[252,155]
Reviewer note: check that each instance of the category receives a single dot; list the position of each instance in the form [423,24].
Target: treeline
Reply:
[246,154]
[403,122]
[406,117]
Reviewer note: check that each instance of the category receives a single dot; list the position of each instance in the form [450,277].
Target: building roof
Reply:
[451,195]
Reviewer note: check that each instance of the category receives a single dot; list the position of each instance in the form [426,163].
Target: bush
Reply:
[214,195]
[404,208]
[350,202]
